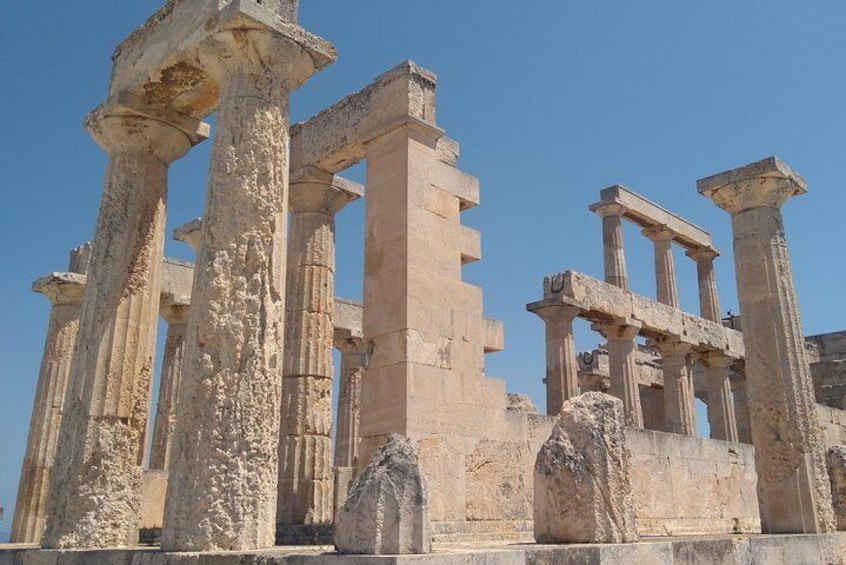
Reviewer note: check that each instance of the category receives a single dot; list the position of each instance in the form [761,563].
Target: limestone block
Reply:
[497,478]
[837,475]
[583,490]
[386,511]
[153,499]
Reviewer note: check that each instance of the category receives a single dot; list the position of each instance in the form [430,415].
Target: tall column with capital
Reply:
[305,449]
[174,309]
[679,413]
[612,240]
[793,487]
[96,491]
[562,367]
[353,363]
[223,476]
[720,410]
[665,267]
[621,336]
[64,290]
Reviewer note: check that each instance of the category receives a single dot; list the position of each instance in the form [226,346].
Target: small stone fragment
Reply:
[583,491]
[837,476]
[386,511]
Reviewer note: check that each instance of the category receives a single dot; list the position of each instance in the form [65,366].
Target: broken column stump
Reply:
[583,491]
[836,460]
[386,511]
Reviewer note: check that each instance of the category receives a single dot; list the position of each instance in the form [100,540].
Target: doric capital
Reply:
[767,183]
[702,254]
[313,190]
[125,124]
[190,233]
[619,328]
[352,346]
[672,345]
[557,313]
[605,209]
[658,233]
[174,309]
[716,360]
[61,288]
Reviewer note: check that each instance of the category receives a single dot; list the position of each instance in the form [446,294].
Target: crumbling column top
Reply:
[766,183]
[190,233]
[61,288]
[703,253]
[313,190]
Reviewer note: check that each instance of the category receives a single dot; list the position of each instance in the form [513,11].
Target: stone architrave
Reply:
[612,240]
[562,367]
[622,349]
[64,290]
[347,435]
[386,511]
[96,491]
[174,309]
[305,448]
[665,267]
[793,487]
[679,412]
[223,476]
[836,461]
[583,476]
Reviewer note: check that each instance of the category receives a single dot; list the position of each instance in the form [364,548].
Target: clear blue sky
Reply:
[551,100]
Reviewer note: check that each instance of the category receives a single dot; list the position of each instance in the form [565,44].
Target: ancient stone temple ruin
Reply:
[424,451]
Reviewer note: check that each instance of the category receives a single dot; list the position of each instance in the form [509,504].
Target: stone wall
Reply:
[833,422]
[684,485]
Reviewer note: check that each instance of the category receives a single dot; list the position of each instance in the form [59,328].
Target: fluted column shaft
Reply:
[305,452]
[223,476]
[665,267]
[64,290]
[562,367]
[720,410]
[612,242]
[176,316]
[709,300]
[741,410]
[96,491]
[621,365]
[347,436]
[793,487]
[679,412]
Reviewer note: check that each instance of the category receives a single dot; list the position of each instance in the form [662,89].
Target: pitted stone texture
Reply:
[583,491]
[386,511]
[837,475]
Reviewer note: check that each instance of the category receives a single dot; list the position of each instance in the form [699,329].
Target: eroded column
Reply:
[64,290]
[621,363]
[562,366]
[353,363]
[305,450]
[174,310]
[95,496]
[612,241]
[679,413]
[223,476]
[665,267]
[793,487]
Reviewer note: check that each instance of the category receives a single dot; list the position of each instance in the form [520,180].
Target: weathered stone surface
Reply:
[386,511]
[498,478]
[837,475]
[583,490]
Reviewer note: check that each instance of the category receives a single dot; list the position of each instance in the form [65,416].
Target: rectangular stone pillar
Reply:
[793,487]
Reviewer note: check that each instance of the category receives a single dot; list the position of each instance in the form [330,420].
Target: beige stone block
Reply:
[153,493]
[494,335]
[498,478]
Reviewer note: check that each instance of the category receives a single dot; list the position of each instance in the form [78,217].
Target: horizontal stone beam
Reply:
[494,335]
[599,301]
[177,279]
[646,213]
[348,318]
[160,62]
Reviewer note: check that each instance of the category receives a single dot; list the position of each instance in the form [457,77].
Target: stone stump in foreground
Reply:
[583,490]
[836,460]
[386,510]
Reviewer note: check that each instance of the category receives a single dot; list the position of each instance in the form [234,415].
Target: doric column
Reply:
[621,364]
[562,367]
[741,409]
[305,449]
[95,495]
[353,363]
[720,410]
[665,267]
[679,414]
[612,241]
[709,300]
[64,290]
[174,309]
[223,476]
[793,487]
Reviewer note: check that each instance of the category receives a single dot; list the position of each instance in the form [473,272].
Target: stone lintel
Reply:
[348,316]
[177,278]
[494,335]
[336,138]
[602,303]
[771,167]
[647,214]
[159,61]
